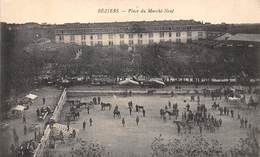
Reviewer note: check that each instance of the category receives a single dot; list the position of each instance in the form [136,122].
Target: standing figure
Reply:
[24,119]
[43,100]
[88,109]
[123,122]
[84,125]
[99,100]
[25,130]
[90,121]
[130,110]
[137,120]
[143,113]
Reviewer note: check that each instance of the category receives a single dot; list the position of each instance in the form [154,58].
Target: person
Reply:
[25,130]
[88,109]
[12,148]
[43,100]
[232,113]
[84,125]
[68,125]
[24,119]
[172,94]
[143,113]
[35,134]
[137,120]
[220,122]
[245,123]
[38,112]
[90,121]
[238,116]
[73,133]
[130,110]
[169,104]
[179,129]
[241,123]
[99,99]
[200,127]
[123,122]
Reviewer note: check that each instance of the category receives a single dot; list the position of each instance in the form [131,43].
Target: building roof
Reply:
[129,27]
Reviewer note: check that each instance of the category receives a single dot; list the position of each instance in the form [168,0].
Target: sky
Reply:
[85,11]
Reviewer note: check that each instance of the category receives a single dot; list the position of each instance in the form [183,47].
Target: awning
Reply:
[128,82]
[159,82]
[18,108]
[31,96]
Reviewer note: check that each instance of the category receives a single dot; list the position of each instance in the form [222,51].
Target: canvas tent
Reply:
[128,82]
[31,96]
[17,111]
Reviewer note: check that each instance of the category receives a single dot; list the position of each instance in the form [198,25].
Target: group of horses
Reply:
[173,112]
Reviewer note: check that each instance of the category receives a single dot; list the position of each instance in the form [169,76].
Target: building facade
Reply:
[130,33]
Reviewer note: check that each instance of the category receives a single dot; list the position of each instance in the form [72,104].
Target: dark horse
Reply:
[138,107]
[104,105]
[117,113]
[215,105]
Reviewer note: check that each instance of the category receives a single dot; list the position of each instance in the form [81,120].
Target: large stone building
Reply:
[130,33]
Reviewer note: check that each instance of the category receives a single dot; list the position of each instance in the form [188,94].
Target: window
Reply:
[140,35]
[99,36]
[161,34]
[110,43]
[91,37]
[61,38]
[140,42]
[170,34]
[178,40]
[99,43]
[121,36]
[110,36]
[72,38]
[83,43]
[150,41]
[189,40]
[83,37]
[122,42]
[178,34]
[131,42]
[200,35]
[161,40]
[131,36]
[150,35]
[189,33]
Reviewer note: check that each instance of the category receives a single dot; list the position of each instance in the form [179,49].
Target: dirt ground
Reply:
[133,140]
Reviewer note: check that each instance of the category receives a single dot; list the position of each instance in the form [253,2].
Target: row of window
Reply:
[130,36]
[130,42]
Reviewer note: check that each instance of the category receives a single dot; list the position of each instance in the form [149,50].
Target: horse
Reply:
[215,105]
[138,107]
[104,105]
[162,113]
[117,113]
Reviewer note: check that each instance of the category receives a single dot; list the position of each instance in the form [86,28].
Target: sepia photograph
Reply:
[130,78]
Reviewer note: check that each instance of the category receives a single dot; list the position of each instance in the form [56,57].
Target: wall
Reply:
[39,151]
[145,38]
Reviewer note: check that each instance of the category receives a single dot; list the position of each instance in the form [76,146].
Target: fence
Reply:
[56,115]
